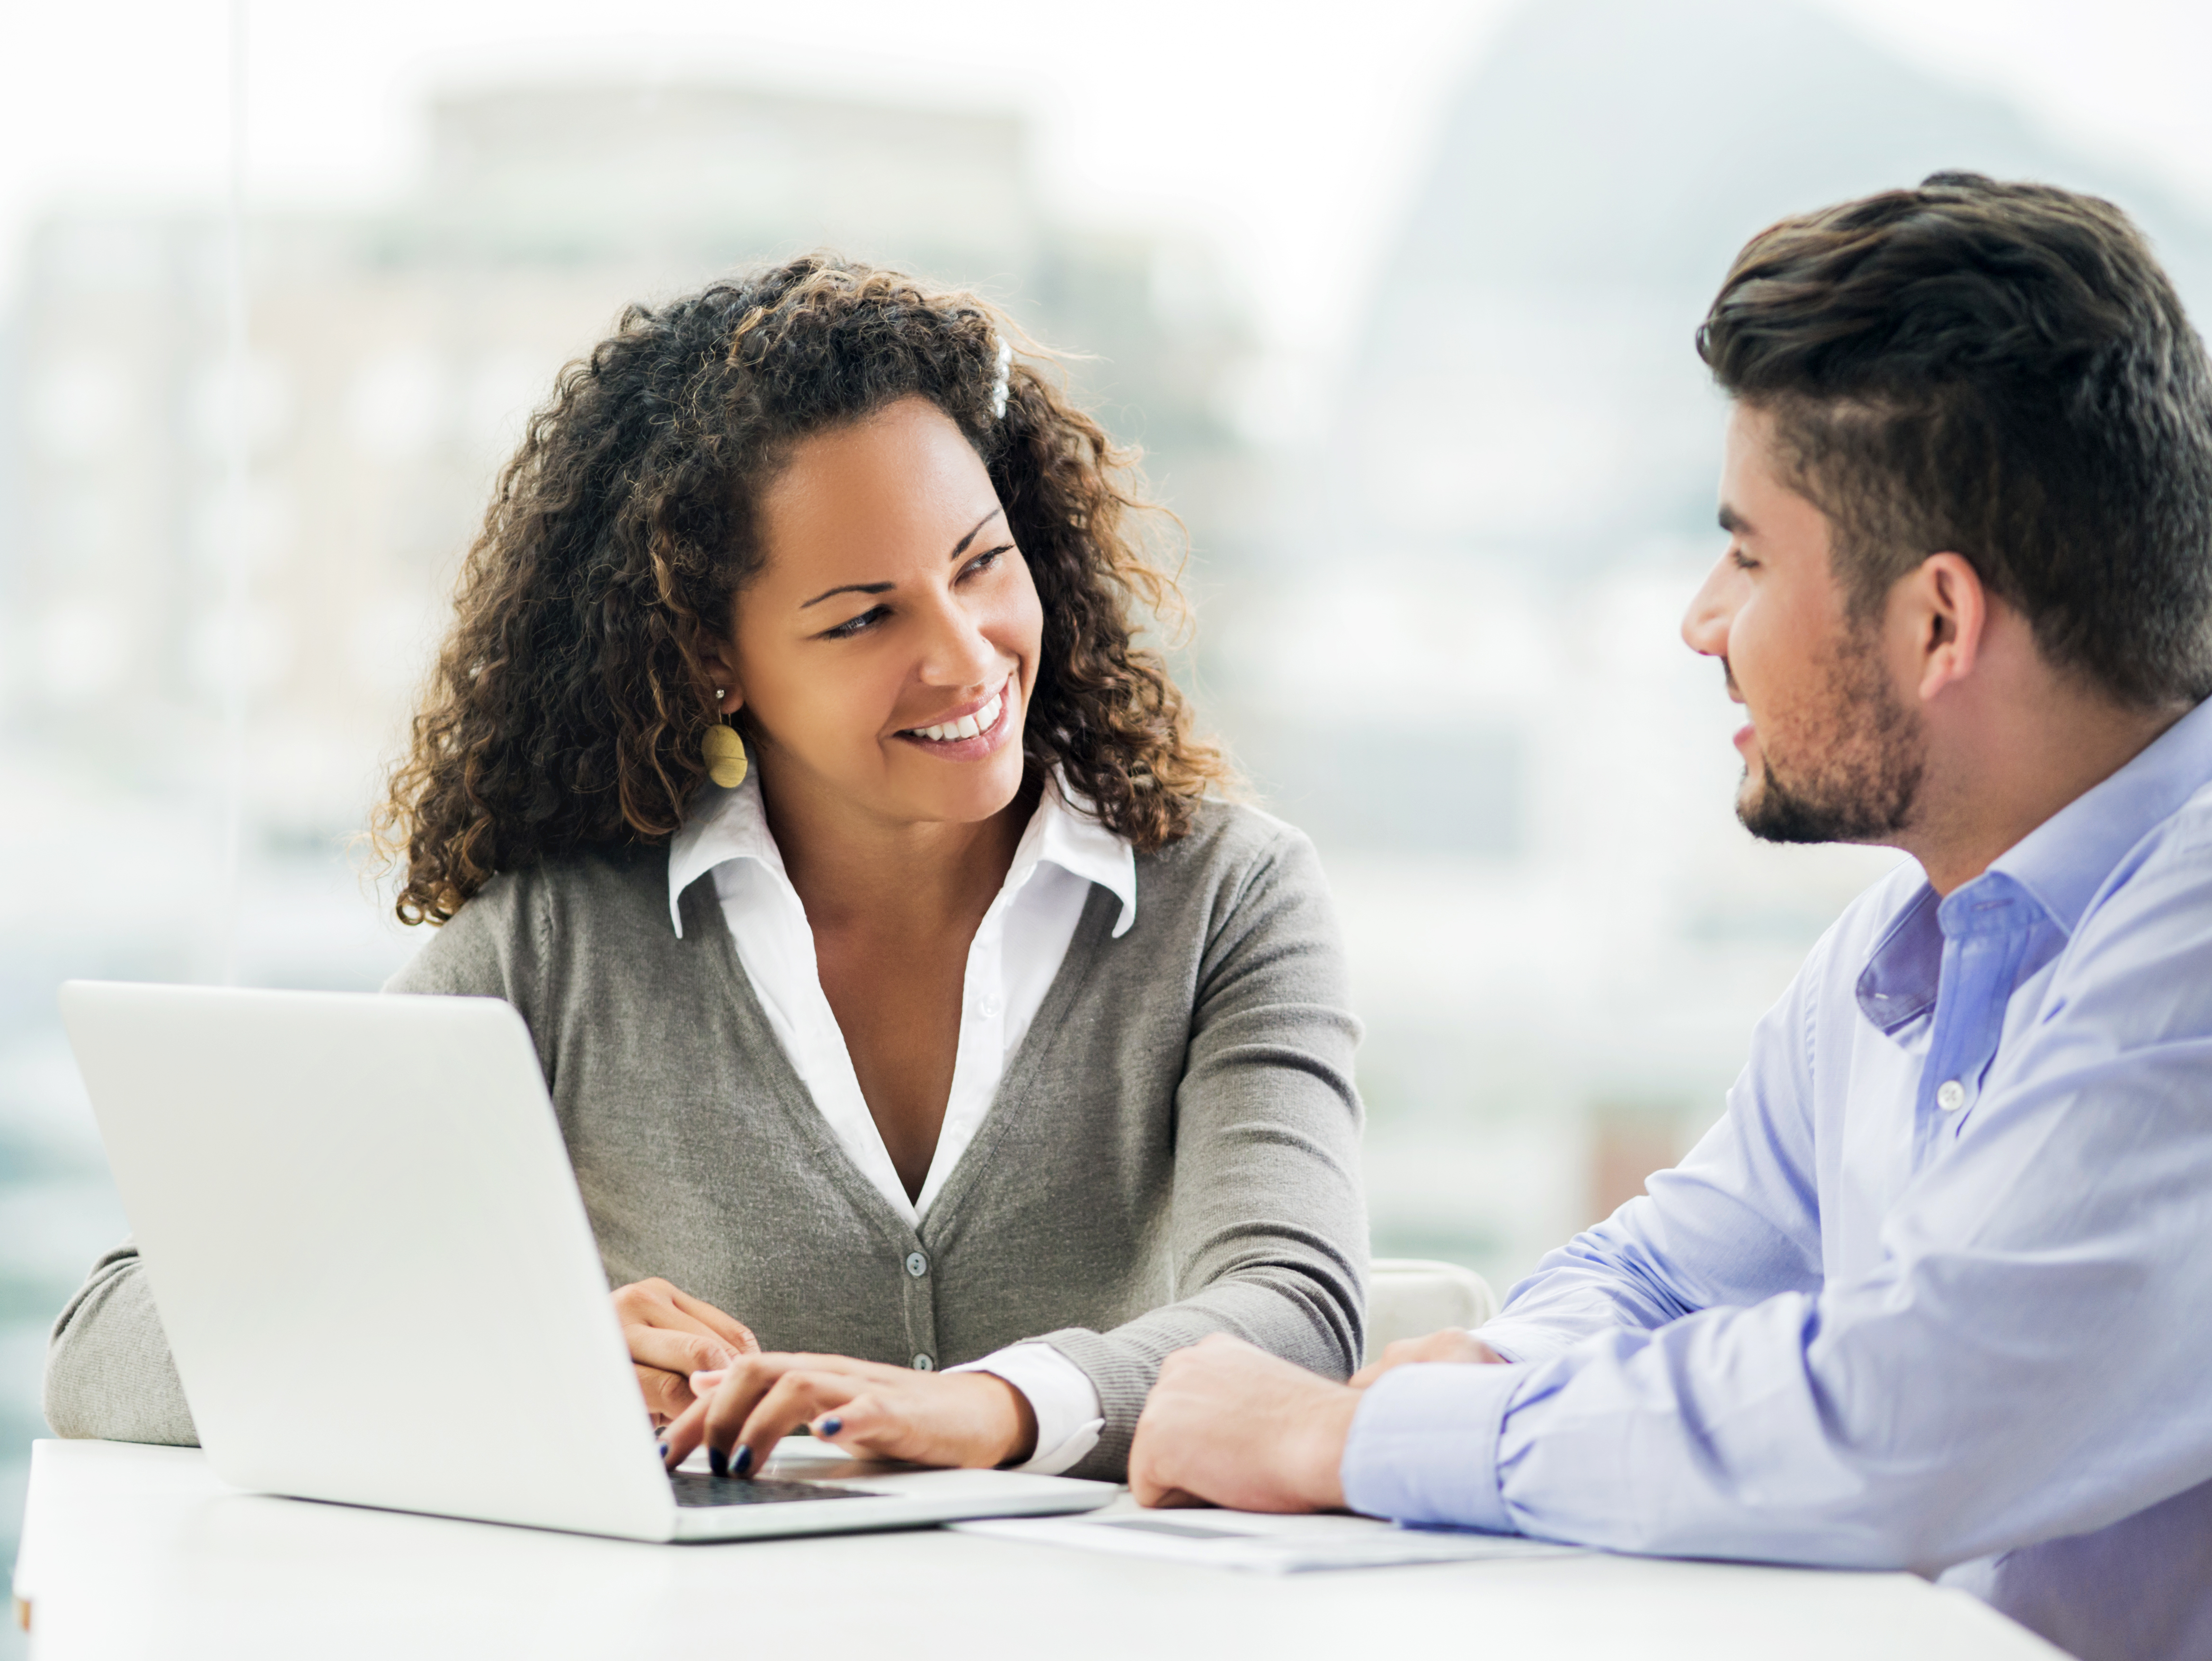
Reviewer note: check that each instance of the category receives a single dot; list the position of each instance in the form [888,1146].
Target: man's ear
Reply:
[1948,611]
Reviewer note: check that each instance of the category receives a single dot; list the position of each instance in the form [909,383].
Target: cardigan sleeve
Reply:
[109,1370]
[109,1373]
[1269,1221]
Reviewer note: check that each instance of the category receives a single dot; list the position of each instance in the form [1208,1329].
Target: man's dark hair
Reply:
[2003,372]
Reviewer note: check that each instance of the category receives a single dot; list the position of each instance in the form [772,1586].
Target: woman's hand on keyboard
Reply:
[672,1335]
[866,1407]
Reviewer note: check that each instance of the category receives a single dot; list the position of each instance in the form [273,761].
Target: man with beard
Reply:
[1933,1294]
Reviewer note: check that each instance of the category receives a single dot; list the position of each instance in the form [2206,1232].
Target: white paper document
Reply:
[1260,1539]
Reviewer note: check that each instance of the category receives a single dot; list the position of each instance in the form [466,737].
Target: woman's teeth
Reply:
[967,727]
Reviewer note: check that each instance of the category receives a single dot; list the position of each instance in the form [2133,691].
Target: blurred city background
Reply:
[1399,309]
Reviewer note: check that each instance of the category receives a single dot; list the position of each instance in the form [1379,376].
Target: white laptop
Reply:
[377,1277]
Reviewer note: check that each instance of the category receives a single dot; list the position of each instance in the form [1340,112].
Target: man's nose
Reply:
[1705,624]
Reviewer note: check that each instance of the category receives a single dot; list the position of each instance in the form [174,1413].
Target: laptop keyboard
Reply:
[700,1488]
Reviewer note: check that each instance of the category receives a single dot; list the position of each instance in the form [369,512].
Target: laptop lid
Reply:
[369,1253]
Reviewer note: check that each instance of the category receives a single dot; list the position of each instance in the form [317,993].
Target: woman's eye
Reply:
[847,630]
[1743,560]
[986,560]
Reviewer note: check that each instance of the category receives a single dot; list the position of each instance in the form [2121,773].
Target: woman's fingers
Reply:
[722,1405]
[864,1426]
[672,1335]
[728,1327]
[746,1381]
[972,1419]
[680,1352]
[789,1403]
[682,1434]
[667,1394]
[666,1362]
[657,1305]
[741,1411]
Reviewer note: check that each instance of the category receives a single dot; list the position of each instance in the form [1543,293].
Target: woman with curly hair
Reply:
[935,1050]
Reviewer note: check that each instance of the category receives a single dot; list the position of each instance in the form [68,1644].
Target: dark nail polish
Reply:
[718,1462]
[664,1453]
[742,1462]
[832,1425]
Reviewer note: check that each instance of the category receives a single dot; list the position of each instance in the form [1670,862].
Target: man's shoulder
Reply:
[2164,881]
[2183,837]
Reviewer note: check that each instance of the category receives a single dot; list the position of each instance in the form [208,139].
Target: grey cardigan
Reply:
[1173,1151]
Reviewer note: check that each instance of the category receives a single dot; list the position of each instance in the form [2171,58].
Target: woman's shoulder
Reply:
[1241,887]
[1226,834]
[1229,844]
[520,918]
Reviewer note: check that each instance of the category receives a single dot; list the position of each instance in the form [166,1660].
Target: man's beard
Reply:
[1856,773]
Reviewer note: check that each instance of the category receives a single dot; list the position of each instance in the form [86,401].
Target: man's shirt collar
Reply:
[2065,859]
[2058,867]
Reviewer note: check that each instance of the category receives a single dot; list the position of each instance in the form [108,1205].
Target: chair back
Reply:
[1412,1297]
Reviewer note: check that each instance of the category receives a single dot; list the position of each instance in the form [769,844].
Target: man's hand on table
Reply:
[1230,1424]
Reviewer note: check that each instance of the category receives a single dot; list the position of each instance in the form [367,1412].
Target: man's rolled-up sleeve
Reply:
[1423,1446]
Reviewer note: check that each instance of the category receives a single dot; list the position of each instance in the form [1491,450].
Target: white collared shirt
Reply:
[1011,963]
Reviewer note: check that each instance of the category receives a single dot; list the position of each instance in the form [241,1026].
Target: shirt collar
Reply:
[2059,865]
[2065,859]
[733,824]
[1070,835]
[722,825]
[1898,984]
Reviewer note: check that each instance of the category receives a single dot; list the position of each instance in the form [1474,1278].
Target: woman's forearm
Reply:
[109,1373]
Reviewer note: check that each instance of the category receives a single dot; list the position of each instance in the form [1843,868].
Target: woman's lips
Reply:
[983,743]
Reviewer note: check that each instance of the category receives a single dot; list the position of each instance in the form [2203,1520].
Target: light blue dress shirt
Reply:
[1937,1290]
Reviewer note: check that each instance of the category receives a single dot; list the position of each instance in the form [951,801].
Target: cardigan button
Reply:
[916,1264]
[923,1363]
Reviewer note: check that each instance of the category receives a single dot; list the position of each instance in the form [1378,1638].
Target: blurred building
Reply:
[395,353]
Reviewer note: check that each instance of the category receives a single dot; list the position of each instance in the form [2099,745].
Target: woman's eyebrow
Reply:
[958,548]
[961,546]
[853,588]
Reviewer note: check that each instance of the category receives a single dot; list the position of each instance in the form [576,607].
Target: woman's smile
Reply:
[976,729]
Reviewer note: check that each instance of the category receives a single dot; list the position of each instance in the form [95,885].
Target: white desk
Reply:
[136,1551]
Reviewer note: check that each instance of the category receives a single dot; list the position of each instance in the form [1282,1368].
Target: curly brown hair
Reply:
[567,706]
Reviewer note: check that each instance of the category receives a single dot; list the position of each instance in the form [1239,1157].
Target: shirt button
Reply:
[916,1264]
[1950,1095]
[923,1363]
[987,1006]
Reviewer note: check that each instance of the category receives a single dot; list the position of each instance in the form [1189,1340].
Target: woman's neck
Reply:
[853,870]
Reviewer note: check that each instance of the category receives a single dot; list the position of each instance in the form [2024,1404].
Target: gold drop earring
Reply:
[724,753]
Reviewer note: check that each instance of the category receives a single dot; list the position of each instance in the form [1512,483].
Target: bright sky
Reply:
[1291,142]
